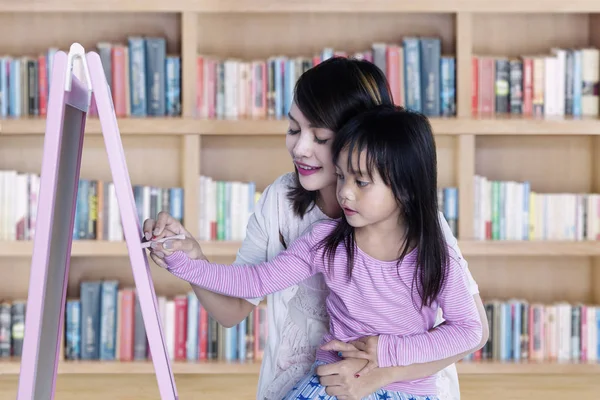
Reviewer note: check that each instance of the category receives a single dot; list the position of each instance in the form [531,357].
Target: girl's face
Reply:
[310,149]
[364,201]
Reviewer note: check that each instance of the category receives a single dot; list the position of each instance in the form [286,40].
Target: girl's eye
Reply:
[293,131]
[362,183]
[339,176]
[321,141]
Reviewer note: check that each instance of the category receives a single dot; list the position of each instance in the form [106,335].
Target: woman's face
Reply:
[310,149]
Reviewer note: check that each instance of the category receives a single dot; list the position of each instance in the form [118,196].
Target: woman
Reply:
[326,96]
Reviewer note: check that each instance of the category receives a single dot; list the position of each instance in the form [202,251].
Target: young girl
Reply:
[385,262]
[326,96]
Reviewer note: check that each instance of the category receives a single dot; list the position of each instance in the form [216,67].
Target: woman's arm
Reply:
[233,310]
[226,310]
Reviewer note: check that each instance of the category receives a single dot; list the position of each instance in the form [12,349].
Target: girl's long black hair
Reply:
[328,95]
[400,144]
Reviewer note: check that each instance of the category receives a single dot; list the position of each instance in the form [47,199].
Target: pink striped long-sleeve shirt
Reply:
[378,300]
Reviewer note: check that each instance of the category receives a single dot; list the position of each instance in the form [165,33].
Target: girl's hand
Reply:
[164,226]
[364,348]
[340,381]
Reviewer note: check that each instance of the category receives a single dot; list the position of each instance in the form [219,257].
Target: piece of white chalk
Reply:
[147,244]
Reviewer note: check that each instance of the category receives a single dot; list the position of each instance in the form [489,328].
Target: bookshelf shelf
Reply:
[529,248]
[253,367]
[500,248]
[100,248]
[127,126]
[480,126]
[314,6]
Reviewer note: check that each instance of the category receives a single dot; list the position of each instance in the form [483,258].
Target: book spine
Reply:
[156,53]
[137,76]
[430,49]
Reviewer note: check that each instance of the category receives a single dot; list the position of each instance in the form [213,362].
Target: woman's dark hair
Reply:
[328,95]
[400,144]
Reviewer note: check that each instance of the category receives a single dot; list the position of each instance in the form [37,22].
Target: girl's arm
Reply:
[423,370]
[340,376]
[230,311]
[461,332]
[288,268]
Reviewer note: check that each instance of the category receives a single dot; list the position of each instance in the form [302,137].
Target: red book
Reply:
[475,86]
[202,333]
[43,84]
[181,304]
[200,87]
[127,322]
[119,84]
[392,55]
[527,86]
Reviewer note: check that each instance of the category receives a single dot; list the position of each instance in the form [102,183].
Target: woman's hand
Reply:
[364,348]
[340,379]
[164,226]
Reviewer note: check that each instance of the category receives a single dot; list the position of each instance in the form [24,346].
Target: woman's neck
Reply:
[327,202]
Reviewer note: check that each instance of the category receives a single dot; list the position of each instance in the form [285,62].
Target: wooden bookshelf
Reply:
[554,154]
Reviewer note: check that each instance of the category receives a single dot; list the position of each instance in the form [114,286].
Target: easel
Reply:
[68,104]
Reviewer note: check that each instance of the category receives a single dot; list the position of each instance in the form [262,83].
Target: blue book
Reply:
[137,76]
[90,320]
[173,86]
[73,330]
[108,320]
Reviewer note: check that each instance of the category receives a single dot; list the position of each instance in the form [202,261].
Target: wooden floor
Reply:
[242,387]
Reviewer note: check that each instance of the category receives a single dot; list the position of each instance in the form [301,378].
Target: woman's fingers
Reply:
[165,221]
[148,228]
[159,261]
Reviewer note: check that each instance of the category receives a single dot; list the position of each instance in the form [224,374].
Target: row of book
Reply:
[226,206]
[524,331]
[105,323]
[12,328]
[97,214]
[144,80]
[561,82]
[420,79]
[511,210]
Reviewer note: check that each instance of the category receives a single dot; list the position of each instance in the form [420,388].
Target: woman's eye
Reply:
[362,183]
[321,141]
[293,131]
